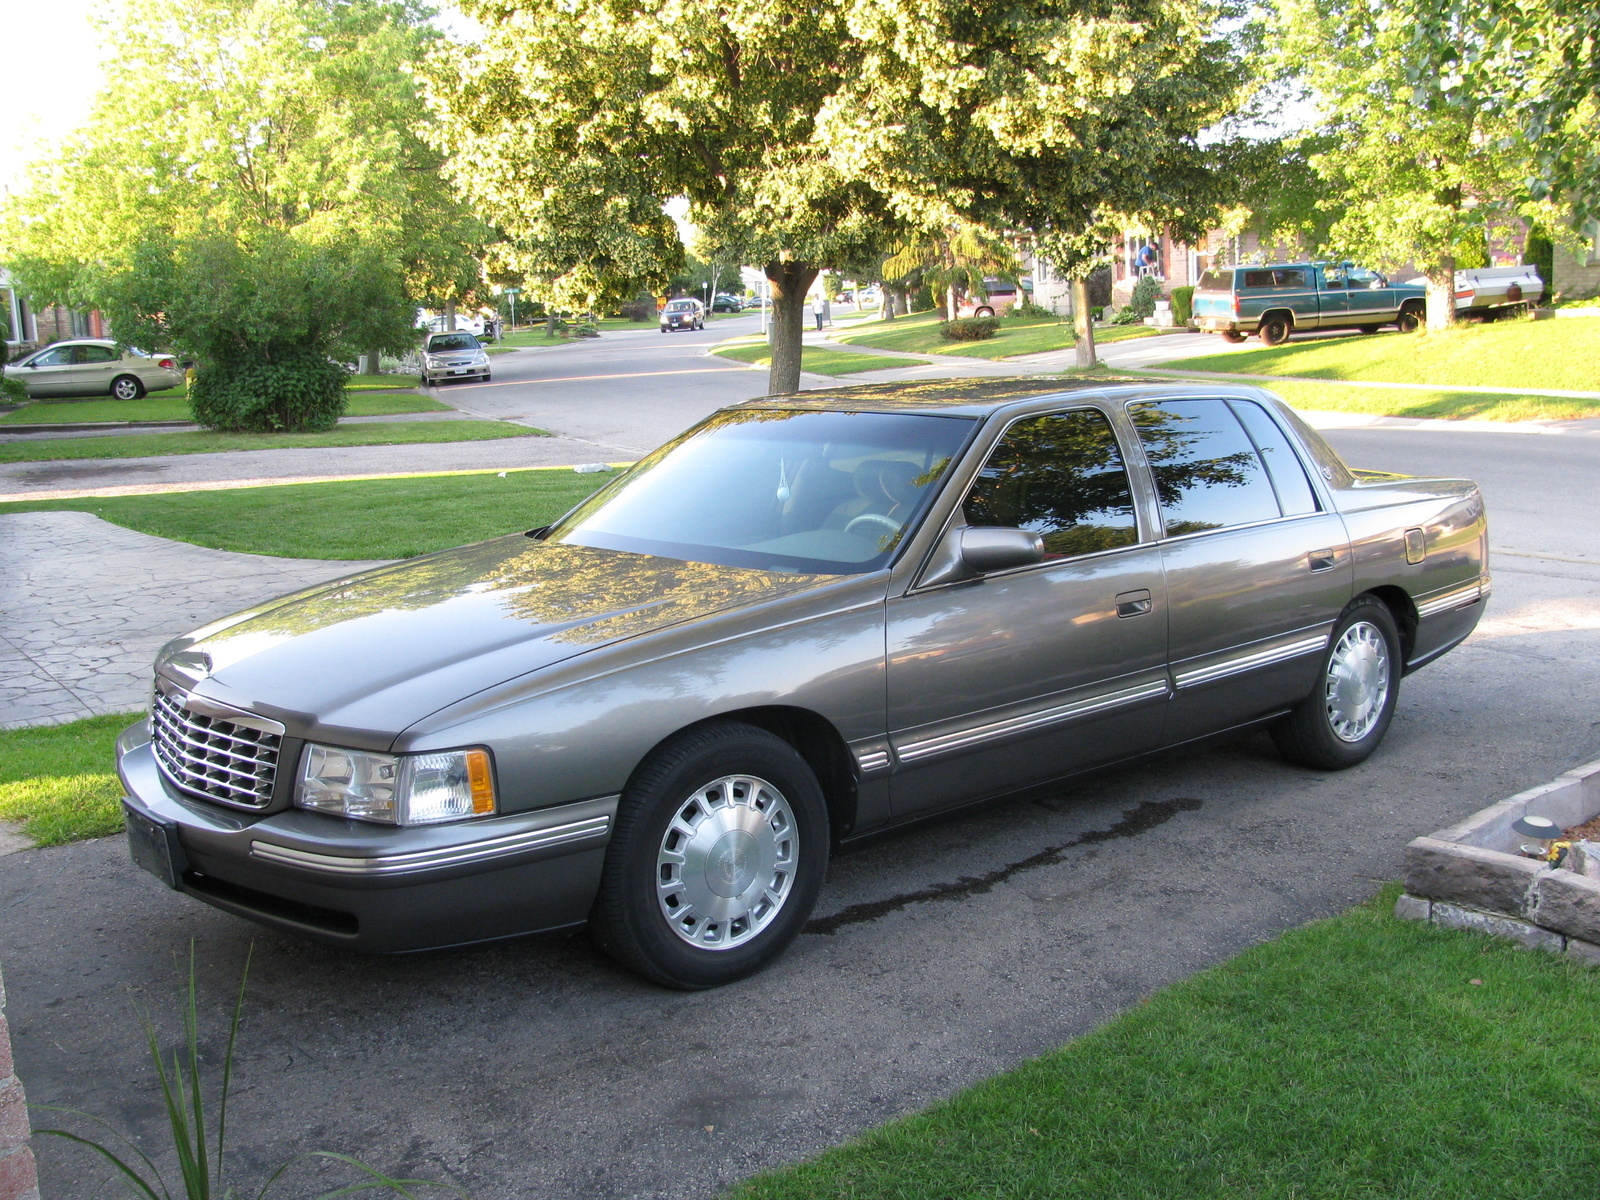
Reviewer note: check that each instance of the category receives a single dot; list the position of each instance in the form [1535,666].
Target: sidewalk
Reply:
[74,478]
[88,604]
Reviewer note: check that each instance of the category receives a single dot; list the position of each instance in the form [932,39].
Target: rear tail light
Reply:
[166,364]
[1236,306]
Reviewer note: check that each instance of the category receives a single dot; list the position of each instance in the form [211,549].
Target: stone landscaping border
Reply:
[1470,876]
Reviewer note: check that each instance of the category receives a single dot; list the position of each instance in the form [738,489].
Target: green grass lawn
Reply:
[171,405]
[144,445]
[58,779]
[819,360]
[919,334]
[366,518]
[1504,354]
[1358,1058]
[1445,404]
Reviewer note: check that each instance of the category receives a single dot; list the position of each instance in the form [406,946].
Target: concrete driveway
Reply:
[536,1069]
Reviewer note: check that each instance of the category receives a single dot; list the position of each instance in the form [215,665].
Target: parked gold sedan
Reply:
[95,367]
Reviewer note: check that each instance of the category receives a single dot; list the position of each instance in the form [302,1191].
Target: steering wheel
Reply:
[888,523]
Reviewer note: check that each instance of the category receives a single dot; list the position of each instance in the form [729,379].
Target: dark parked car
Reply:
[806,619]
[724,303]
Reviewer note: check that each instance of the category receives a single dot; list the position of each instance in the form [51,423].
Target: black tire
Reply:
[1233,336]
[630,916]
[1409,320]
[1275,329]
[1310,736]
[127,387]
[984,311]
[1370,328]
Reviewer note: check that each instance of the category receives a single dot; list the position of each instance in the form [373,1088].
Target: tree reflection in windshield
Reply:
[825,492]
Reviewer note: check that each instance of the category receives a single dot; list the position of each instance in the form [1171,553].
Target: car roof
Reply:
[982,397]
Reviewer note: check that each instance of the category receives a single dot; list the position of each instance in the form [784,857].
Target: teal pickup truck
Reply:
[1275,299]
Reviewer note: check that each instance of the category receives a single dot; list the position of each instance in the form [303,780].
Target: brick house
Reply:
[1577,272]
[27,328]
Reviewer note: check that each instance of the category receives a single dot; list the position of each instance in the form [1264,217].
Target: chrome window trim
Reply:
[431,860]
[962,739]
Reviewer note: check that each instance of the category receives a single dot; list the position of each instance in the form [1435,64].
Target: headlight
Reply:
[396,789]
[434,361]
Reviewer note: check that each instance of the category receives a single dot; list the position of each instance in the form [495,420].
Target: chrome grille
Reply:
[203,752]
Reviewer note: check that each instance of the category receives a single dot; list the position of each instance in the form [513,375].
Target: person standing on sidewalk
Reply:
[817,309]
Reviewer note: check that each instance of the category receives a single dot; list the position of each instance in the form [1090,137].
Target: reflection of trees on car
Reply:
[1170,449]
[1061,477]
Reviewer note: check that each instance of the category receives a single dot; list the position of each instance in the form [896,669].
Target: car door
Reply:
[1257,567]
[1333,297]
[93,369]
[1025,675]
[49,373]
[1372,300]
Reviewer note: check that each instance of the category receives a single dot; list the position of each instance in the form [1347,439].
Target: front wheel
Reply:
[716,858]
[1348,711]
[1275,330]
[127,387]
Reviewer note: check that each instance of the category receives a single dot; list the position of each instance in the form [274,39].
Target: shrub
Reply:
[1097,312]
[13,391]
[643,308]
[1141,304]
[303,392]
[922,299]
[1026,309]
[1182,305]
[969,329]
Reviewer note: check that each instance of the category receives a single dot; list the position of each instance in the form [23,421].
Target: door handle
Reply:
[1133,604]
[1322,560]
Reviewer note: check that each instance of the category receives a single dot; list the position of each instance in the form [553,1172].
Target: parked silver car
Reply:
[95,367]
[807,619]
[457,355]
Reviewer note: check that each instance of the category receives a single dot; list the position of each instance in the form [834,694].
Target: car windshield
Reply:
[681,306]
[452,341]
[777,490]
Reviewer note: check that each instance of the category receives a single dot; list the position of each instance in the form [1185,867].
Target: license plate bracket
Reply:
[153,844]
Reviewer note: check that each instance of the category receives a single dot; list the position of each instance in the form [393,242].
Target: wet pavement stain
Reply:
[1145,816]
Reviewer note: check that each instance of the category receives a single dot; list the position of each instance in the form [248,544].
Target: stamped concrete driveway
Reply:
[537,1069]
[87,604]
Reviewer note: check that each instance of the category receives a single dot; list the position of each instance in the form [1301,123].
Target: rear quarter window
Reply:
[1258,279]
[1215,281]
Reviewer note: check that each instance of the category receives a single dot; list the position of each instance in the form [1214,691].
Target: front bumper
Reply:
[371,887]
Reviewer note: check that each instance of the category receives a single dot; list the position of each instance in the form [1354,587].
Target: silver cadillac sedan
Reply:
[805,620]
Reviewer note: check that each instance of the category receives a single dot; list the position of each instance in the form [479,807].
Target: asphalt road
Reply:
[537,1069]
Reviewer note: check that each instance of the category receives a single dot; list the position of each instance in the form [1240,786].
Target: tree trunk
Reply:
[790,283]
[950,303]
[370,363]
[449,315]
[888,313]
[1083,323]
[1441,295]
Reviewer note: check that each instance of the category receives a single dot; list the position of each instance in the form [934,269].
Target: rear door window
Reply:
[97,354]
[1288,475]
[1207,472]
[1061,476]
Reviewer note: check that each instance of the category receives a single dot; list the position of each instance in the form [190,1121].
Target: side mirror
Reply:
[989,548]
[968,551]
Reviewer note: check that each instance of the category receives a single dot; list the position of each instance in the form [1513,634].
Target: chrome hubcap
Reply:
[1357,681]
[727,862]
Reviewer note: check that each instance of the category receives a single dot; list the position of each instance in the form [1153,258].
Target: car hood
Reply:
[375,652]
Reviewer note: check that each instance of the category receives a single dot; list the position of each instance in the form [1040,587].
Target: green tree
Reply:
[1421,158]
[287,129]
[954,260]
[813,136]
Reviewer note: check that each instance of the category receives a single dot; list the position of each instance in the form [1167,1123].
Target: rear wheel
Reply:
[1348,711]
[718,852]
[1275,330]
[984,311]
[127,387]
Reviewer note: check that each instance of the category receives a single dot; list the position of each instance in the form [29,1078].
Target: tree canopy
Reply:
[810,136]
[276,140]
